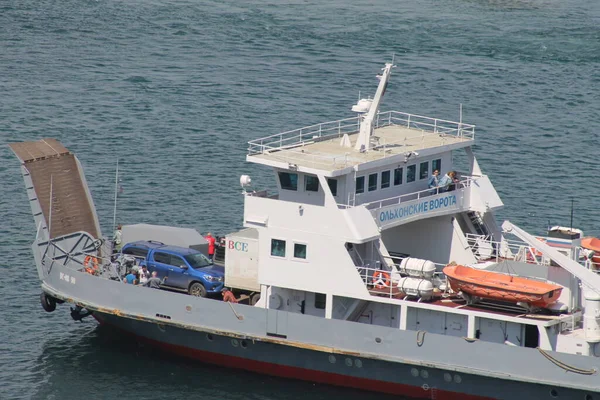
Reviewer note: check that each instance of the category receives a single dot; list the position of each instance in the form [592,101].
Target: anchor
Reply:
[78,314]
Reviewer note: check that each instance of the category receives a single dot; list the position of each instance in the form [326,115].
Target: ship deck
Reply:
[493,308]
[320,146]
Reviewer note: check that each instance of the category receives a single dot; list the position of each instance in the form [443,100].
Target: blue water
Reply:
[175,89]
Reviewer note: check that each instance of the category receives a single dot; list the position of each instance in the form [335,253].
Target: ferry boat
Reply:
[348,257]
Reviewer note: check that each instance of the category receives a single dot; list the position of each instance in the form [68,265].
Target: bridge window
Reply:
[311,183]
[411,171]
[360,184]
[332,186]
[288,181]
[385,179]
[424,170]
[436,164]
[320,299]
[372,182]
[398,176]
[278,248]
[300,251]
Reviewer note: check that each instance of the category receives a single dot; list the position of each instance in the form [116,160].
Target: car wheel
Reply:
[197,289]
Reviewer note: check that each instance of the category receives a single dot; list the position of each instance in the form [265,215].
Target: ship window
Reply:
[360,184]
[398,176]
[278,248]
[311,183]
[332,186]
[436,164]
[385,179]
[320,300]
[411,171]
[288,181]
[163,258]
[372,182]
[424,170]
[300,251]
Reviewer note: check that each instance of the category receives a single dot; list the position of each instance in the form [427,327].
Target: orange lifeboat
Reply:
[593,244]
[501,287]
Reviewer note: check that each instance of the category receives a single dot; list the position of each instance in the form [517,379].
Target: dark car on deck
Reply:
[185,269]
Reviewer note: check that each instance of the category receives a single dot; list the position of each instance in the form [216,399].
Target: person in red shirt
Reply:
[228,296]
[211,246]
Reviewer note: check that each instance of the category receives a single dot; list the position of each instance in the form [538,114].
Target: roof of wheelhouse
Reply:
[368,140]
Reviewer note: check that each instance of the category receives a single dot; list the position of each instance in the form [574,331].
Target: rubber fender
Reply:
[48,302]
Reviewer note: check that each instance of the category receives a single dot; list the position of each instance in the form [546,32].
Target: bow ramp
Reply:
[61,203]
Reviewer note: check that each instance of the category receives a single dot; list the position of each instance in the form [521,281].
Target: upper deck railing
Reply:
[333,129]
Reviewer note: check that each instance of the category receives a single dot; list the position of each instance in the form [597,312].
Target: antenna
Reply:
[116,195]
[460,115]
[50,212]
[572,201]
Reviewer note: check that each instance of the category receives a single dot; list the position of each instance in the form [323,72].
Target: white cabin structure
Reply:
[353,199]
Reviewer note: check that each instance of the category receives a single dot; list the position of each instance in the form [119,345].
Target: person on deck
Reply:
[118,240]
[228,296]
[211,246]
[131,278]
[155,281]
[144,275]
[434,182]
[446,182]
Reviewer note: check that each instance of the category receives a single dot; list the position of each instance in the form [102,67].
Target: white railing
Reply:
[305,135]
[435,125]
[485,249]
[411,196]
[331,129]
[389,288]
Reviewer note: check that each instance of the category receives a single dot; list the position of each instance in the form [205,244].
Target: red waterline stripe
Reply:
[304,374]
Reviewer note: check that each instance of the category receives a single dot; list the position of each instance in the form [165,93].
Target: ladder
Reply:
[478,223]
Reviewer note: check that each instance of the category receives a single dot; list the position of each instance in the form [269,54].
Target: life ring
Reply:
[90,263]
[381,279]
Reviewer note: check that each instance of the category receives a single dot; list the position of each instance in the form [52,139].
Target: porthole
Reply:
[377,340]
[424,374]
[161,327]
[457,378]
[554,393]
[358,363]
[414,372]
[332,358]
[348,362]
[209,337]
[188,308]
[447,377]
[244,344]
[234,342]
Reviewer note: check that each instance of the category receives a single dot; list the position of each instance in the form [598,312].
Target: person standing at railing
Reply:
[455,181]
[447,182]
[434,181]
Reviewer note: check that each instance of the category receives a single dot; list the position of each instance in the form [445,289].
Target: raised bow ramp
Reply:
[60,200]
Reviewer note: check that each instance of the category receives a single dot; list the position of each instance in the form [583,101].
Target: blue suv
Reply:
[185,269]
